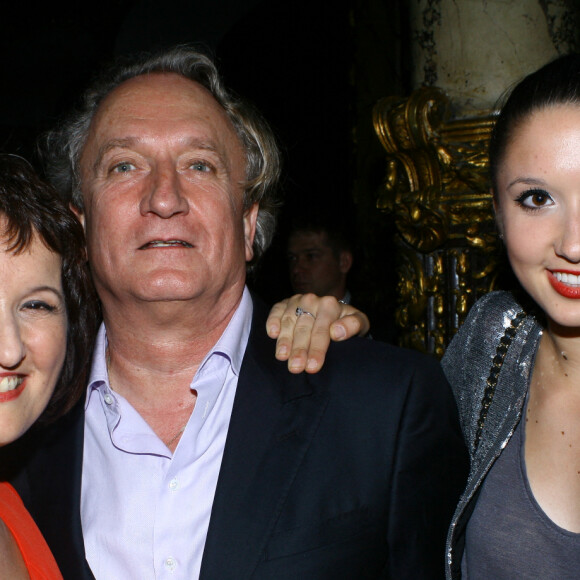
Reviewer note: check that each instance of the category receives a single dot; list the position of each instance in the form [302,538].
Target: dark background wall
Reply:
[314,68]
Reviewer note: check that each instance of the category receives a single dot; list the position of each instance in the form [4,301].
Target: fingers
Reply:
[281,324]
[310,337]
[304,340]
[273,324]
[326,327]
[352,322]
[294,338]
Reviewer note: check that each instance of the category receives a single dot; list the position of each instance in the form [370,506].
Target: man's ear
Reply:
[79,213]
[250,220]
[345,261]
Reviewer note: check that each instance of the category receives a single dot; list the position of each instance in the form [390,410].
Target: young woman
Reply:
[515,370]
[48,318]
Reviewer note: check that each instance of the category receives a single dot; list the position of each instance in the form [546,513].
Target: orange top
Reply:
[39,561]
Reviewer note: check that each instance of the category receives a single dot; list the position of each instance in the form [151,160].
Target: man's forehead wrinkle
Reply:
[162,107]
[190,142]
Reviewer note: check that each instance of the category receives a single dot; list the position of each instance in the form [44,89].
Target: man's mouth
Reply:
[10,383]
[166,244]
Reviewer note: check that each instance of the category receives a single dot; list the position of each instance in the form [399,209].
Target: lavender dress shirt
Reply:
[145,511]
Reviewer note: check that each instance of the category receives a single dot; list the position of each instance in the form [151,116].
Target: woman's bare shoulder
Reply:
[11,562]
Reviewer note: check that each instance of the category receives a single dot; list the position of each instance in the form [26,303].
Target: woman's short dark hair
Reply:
[29,206]
[557,83]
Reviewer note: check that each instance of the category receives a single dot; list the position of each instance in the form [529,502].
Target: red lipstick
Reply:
[14,393]
[562,288]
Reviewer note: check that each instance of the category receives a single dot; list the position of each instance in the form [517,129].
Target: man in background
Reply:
[319,260]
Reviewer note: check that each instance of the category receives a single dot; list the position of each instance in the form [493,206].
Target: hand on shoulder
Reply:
[303,340]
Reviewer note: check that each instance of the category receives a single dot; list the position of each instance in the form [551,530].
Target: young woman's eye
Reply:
[535,199]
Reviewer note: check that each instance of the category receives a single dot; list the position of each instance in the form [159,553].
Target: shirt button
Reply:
[173,484]
[170,564]
[108,399]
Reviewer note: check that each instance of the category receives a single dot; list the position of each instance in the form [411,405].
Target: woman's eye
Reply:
[39,305]
[535,199]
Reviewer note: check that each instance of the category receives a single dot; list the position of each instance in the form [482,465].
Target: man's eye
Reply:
[123,167]
[200,166]
[535,199]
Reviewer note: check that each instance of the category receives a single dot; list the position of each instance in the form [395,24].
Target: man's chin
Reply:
[167,291]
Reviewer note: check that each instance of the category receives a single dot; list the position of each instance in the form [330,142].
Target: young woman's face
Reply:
[538,209]
[33,327]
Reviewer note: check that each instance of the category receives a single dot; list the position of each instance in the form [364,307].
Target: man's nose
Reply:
[12,347]
[297,265]
[165,197]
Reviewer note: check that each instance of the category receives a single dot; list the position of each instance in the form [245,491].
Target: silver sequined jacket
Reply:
[488,364]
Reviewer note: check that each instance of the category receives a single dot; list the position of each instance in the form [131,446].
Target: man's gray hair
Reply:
[62,148]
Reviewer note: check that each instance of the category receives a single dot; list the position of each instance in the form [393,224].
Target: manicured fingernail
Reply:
[312,364]
[339,332]
[295,363]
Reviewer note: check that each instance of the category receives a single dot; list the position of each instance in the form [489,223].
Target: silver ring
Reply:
[301,311]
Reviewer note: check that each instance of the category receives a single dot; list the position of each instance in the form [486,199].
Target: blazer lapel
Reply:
[54,481]
[274,419]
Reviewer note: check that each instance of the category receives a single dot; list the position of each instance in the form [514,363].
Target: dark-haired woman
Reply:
[48,317]
[515,371]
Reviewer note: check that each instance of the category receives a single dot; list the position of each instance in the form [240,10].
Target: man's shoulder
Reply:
[366,352]
[379,370]
[358,366]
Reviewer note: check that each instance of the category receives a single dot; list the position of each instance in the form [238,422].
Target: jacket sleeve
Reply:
[468,359]
[430,471]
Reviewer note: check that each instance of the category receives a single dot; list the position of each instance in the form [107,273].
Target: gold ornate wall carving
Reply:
[436,187]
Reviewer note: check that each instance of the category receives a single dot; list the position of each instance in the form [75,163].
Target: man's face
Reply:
[162,174]
[314,267]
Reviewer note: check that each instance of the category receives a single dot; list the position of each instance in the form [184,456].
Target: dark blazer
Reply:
[352,473]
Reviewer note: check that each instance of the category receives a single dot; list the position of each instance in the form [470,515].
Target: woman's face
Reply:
[538,209]
[33,327]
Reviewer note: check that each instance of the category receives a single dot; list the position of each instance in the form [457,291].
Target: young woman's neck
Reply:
[564,343]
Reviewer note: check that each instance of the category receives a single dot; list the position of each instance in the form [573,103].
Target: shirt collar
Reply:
[231,344]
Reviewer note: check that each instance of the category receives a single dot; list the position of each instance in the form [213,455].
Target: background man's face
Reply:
[314,267]
[162,174]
